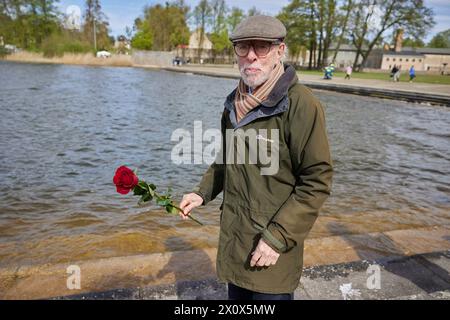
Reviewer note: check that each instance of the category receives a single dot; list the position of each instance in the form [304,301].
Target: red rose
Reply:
[125,180]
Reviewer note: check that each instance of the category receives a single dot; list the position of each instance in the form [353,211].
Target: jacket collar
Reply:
[274,104]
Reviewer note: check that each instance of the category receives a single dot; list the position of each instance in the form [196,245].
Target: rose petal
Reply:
[122,190]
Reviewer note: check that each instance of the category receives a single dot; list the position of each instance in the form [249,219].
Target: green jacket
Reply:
[281,207]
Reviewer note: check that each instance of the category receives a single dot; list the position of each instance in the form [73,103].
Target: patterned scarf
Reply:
[246,101]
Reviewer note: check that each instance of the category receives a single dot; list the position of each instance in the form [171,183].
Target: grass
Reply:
[420,78]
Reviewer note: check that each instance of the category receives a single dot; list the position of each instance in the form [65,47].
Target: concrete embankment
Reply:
[435,94]
[418,277]
[413,263]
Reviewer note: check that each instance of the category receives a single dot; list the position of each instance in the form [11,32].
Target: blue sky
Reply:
[121,13]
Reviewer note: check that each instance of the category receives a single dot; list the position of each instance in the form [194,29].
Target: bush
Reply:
[142,41]
[57,45]
[3,52]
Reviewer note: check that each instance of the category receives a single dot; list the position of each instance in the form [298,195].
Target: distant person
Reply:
[397,74]
[348,72]
[412,74]
[329,71]
[393,72]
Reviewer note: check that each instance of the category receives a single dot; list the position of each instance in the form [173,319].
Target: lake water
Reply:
[65,129]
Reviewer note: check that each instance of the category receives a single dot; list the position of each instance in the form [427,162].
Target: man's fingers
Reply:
[270,261]
[262,261]
[255,257]
[188,209]
[184,202]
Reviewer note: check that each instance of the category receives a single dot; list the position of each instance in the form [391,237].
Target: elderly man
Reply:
[265,217]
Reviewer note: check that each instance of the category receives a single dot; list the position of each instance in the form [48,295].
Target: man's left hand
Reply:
[264,255]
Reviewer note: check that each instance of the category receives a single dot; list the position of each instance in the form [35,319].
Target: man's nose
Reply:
[251,54]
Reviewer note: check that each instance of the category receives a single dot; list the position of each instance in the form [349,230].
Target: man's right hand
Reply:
[189,202]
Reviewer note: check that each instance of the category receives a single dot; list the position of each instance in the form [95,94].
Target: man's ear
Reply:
[281,49]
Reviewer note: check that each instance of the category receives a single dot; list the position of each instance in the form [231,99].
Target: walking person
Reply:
[265,218]
[412,74]
[393,72]
[348,72]
[398,73]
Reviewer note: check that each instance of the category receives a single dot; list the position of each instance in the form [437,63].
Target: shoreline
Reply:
[173,269]
[431,94]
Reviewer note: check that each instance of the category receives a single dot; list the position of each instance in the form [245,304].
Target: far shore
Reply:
[417,92]
[87,59]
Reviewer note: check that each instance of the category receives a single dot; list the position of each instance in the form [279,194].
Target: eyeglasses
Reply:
[261,48]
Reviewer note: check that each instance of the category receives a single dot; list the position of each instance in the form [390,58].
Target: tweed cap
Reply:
[259,28]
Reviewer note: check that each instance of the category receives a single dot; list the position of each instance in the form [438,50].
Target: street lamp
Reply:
[95,35]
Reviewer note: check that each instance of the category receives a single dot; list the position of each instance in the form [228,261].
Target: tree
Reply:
[235,17]
[414,43]
[343,26]
[43,15]
[440,40]
[96,26]
[218,14]
[162,28]
[328,28]
[219,36]
[142,40]
[26,23]
[295,21]
[202,15]
[371,19]
[300,18]
[253,12]
[221,43]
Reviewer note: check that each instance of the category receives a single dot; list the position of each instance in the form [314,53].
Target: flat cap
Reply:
[259,28]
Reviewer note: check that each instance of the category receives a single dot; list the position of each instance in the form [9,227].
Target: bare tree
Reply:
[374,18]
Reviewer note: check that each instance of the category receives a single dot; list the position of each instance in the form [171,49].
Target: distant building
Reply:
[404,59]
[199,49]
[346,56]
[122,45]
[436,60]
[194,41]
[423,59]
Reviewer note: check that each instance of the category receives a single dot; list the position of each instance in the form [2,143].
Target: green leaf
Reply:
[163,202]
[172,210]
[146,197]
[138,191]
[142,184]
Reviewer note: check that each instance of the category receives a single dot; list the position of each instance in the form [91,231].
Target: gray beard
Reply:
[252,83]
